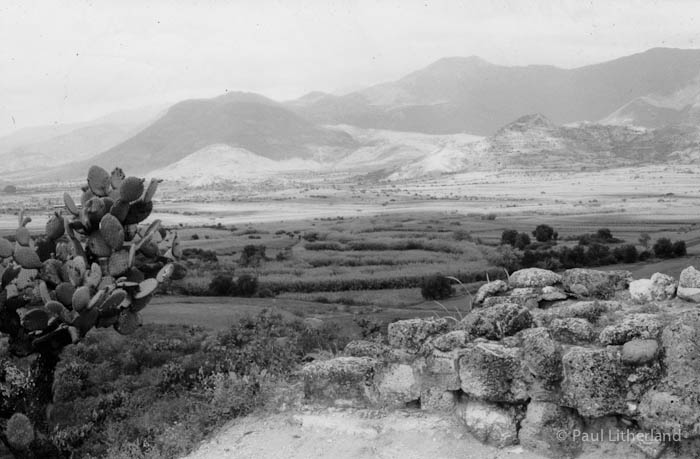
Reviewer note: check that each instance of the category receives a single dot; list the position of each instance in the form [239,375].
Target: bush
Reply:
[195,237]
[436,287]
[246,285]
[252,255]
[679,249]
[522,240]
[663,248]
[10,189]
[626,253]
[222,285]
[509,237]
[544,233]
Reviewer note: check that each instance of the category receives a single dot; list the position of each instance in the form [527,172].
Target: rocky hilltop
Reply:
[544,360]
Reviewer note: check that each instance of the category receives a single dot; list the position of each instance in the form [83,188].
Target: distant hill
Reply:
[243,120]
[59,144]
[474,96]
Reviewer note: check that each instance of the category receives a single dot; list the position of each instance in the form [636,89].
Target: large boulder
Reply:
[670,413]
[541,359]
[660,287]
[497,321]
[549,429]
[680,342]
[572,330]
[633,326]
[396,385]
[594,283]
[455,339]
[533,277]
[439,370]
[492,372]
[489,423]
[597,382]
[490,289]
[689,285]
[340,380]
[589,310]
[411,334]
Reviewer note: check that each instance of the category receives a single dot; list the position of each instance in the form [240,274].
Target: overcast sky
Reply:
[70,60]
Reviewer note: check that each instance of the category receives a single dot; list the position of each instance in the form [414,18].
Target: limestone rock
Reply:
[572,330]
[670,413]
[490,423]
[533,277]
[589,310]
[362,348]
[455,339]
[639,351]
[396,385]
[440,370]
[633,326]
[660,287]
[411,334]
[550,293]
[341,378]
[497,321]
[689,278]
[541,356]
[689,294]
[492,372]
[594,283]
[541,430]
[490,289]
[529,302]
[437,399]
[597,383]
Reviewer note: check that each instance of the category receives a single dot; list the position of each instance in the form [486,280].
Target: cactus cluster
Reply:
[94,267]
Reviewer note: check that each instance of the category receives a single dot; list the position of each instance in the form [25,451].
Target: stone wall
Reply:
[546,361]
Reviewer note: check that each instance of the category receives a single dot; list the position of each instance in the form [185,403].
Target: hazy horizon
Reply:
[78,60]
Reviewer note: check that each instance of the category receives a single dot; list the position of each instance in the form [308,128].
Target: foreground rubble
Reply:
[542,360]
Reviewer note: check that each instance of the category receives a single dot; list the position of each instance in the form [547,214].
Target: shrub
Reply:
[679,249]
[252,255]
[10,189]
[222,285]
[509,237]
[626,253]
[644,239]
[246,285]
[604,234]
[544,233]
[436,287]
[505,257]
[195,237]
[522,240]
[663,248]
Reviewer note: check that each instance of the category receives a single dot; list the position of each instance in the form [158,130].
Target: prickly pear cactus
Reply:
[94,267]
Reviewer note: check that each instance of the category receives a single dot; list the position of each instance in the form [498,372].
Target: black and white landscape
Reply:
[331,229]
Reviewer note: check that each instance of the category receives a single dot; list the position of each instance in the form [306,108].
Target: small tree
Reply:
[509,236]
[10,189]
[644,239]
[679,249]
[543,233]
[663,248]
[436,287]
[604,235]
[222,285]
[252,255]
[522,240]
[246,285]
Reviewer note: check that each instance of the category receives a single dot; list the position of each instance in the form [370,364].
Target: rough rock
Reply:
[659,288]
[689,294]
[633,326]
[362,348]
[541,357]
[396,385]
[440,370]
[340,379]
[639,351]
[597,383]
[533,277]
[490,423]
[411,334]
[589,310]
[492,372]
[497,321]
[594,283]
[490,289]
[437,399]
[451,340]
[541,430]
[550,293]
[572,330]
[666,412]
[689,278]
[529,302]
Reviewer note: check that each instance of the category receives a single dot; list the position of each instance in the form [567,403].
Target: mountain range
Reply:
[453,114]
